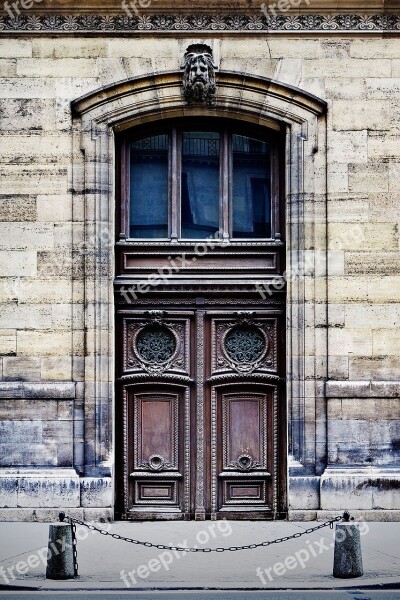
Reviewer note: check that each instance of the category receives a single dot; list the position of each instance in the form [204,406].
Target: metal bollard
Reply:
[347,563]
[60,554]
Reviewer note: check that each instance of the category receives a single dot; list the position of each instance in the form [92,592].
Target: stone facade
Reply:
[337,91]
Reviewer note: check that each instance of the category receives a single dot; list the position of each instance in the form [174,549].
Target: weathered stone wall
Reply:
[42,257]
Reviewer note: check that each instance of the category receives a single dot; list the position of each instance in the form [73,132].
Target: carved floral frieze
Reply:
[199,23]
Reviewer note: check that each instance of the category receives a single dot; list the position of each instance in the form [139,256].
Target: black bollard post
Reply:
[347,562]
[60,554]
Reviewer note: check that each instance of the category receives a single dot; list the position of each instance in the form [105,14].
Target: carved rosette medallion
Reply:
[247,345]
[199,74]
[156,346]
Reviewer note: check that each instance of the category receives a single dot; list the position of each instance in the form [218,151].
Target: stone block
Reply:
[386,341]
[26,317]
[348,209]
[40,291]
[17,208]
[337,178]
[289,70]
[29,410]
[8,67]
[383,146]
[14,48]
[118,48]
[385,492]
[384,289]
[50,488]
[37,147]
[23,179]
[348,289]
[369,178]
[330,67]
[382,87]
[74,47]
[304,493]
[344,341]
[56,369]
[65,67]
[380,48]
[363,236]
[32,390]
[27,114]
[21,369]
[8,490]
[374,367]
[96,492]
[345,490]
[8,342]
[378,263]
[394,177]
[345,88]
[27,87]
[98,515]
[362,315]
[381,205]
[37,515]
[338,367]
[18,263]
[54,208]
[357,115]
[348,147]
[396,67]
[44,343]
[337,49]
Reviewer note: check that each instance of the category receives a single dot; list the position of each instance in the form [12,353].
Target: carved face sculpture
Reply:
[199,77]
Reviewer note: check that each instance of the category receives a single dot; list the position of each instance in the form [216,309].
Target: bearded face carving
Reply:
[199,74]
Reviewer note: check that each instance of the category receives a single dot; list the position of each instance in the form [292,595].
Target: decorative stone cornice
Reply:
[233,23]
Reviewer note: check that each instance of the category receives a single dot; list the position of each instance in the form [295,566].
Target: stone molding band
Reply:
[202,23]
[29,390]
[362,389]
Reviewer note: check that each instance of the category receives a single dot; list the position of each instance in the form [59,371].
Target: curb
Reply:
[376,586]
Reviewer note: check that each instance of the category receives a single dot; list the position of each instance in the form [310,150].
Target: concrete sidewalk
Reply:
[109,564]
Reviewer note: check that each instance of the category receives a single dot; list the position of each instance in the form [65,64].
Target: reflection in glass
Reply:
[251,188]
[200,184]
[149,188]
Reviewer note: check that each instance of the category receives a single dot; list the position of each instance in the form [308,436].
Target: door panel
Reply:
[202,415]
[242,477]
[157,472]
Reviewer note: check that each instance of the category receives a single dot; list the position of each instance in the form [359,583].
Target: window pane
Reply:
[251,188]
[200,185]
[149,187]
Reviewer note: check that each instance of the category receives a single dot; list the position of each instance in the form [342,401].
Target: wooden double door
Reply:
[201,409]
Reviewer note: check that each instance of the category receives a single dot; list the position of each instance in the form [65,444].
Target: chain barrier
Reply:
[264,544]
[74,546]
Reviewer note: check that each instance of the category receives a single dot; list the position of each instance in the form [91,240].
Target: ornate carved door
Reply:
[200,296]
[203,415]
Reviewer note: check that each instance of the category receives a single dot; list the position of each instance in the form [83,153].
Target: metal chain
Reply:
[264,544]
[74,546]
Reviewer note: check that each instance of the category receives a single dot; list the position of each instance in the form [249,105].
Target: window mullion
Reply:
[225,178]
[175,187]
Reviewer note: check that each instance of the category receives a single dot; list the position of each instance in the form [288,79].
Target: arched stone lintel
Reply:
[237,92]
